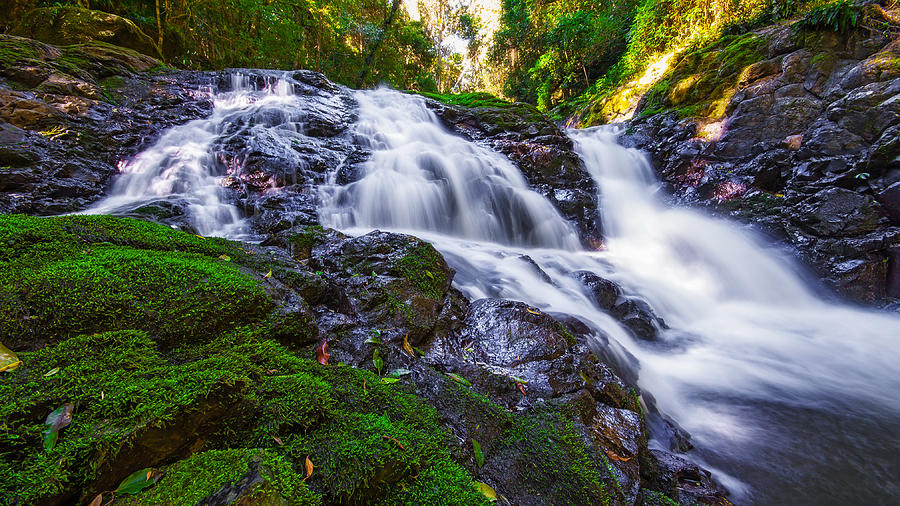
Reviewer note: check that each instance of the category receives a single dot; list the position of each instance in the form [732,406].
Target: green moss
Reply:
[60,278]
[543,446]
[18,50]
[121,386]
[704,80]
[303,241]
[426,269]
[265,477]
[477,99]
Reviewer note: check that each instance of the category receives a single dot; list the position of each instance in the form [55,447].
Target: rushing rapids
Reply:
[788,398]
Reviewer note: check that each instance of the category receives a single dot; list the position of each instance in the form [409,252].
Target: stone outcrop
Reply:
[794,132]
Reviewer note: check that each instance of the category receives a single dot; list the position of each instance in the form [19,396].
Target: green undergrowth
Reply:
[839,16]
[471,100]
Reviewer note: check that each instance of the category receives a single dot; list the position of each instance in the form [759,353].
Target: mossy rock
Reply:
[83,274]
[234,476]
[703,82]
[74,25]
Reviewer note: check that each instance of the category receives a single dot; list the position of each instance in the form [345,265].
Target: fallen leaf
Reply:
[429,274]
[97,500]
[459,379]
[521,388]
[268,274]
[278,440]
[613,456]
[377,361]
[102,395]
[388,381]
[406,347]
[56,421]
[394,440]
[8,359]
[487,490]
[322,354]
[309,468]
[479,455]
[365,392]
[225,257]
[399,372]
[534,312]
[373,340]
[51,372]
[199,236]
[138,481]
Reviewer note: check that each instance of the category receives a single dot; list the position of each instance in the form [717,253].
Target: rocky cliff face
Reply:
[796,133]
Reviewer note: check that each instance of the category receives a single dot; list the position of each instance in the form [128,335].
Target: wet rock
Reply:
[74,123]
[634,312]
[889,199]
[680,478]
[839,212]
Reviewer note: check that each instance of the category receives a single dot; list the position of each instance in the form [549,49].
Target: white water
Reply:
[422,178]
[182,166]
[753,361]
[789,399]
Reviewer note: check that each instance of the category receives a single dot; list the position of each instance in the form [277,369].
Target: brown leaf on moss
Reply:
[322,354]
[613,456]
[309,468]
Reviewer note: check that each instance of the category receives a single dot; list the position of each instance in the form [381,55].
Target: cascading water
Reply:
[791,400]
[181,165]
[422,178]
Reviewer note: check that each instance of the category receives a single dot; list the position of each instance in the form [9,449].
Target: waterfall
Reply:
[420,177]
[754,366]
[181,167]
[789,399]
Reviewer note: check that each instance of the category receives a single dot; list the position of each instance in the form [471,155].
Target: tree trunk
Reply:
[384,31]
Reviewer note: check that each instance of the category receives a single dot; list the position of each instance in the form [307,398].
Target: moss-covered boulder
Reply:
[74,25]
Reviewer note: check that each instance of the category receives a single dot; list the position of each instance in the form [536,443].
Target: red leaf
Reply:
[322,354]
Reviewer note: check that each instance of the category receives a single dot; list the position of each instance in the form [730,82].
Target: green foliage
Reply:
[552,51]
[333,37]
[839,16]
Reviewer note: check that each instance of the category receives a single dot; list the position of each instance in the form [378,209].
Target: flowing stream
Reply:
[788,399]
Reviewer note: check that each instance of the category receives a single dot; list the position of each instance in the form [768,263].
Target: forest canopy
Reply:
[552,53]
